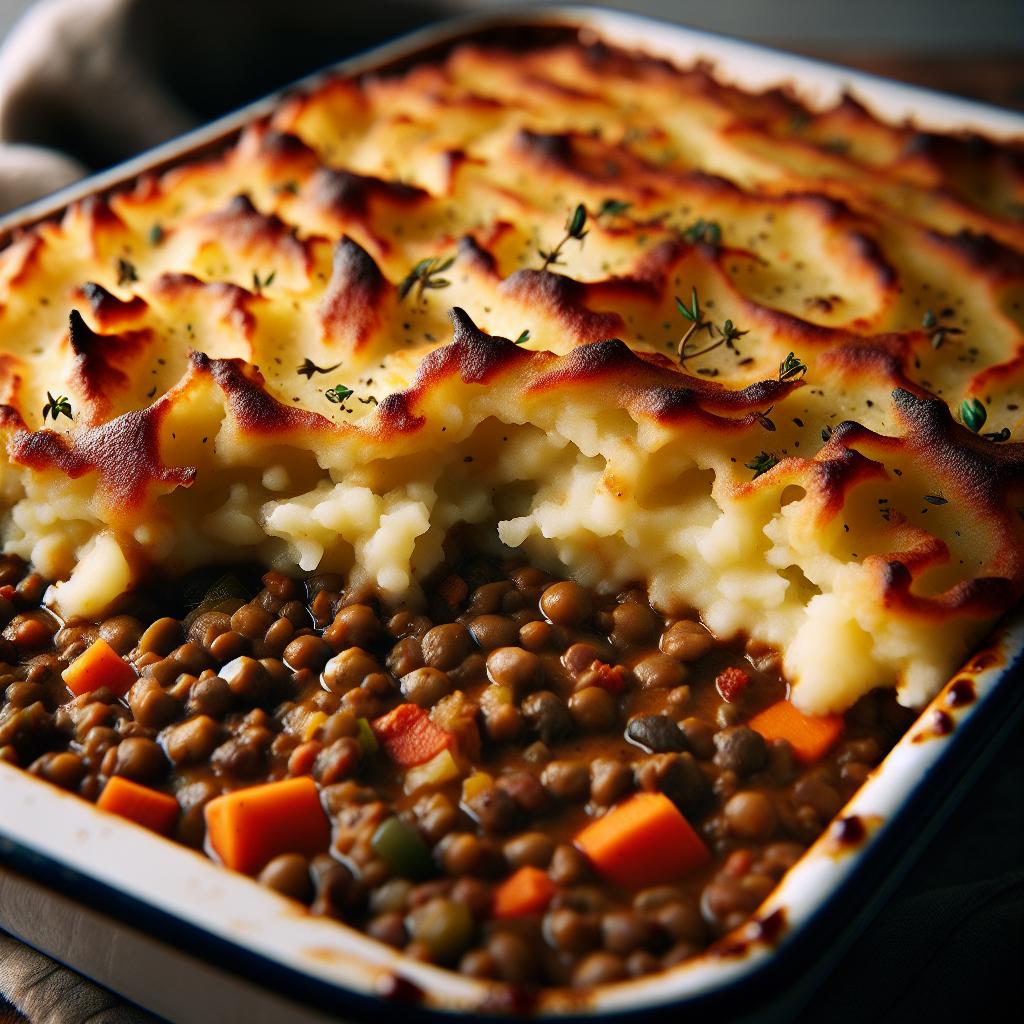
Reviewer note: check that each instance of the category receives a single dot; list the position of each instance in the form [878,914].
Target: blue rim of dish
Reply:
[775,986]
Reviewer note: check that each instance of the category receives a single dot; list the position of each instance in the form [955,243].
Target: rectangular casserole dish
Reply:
[148,918]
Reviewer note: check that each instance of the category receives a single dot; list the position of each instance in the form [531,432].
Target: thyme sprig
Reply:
[792,368]
[761,463]
[611,208]
[426,275]
[308,368]
[524,337]
[258,283]
[575,228]
[707,231]
[695,315]
[59,406]
[937,330]
[727,334]
[338,394]
[762,418]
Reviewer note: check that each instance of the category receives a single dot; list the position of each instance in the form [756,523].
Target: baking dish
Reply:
[296,944]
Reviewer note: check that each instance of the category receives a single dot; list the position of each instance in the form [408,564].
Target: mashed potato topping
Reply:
[381,314]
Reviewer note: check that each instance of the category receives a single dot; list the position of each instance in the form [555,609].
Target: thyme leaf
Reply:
[59,406]
[792,368]
[575,228]
[426,275]
[308,368]
[126,272]
[258,283]
[973,414]
[523,338]
[761,463]
[338,394]
[612,208]
[707,231]
[936,329]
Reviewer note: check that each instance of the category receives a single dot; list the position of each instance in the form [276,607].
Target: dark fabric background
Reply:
[85,83]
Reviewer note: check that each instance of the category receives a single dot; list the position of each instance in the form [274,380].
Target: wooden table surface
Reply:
[992,79]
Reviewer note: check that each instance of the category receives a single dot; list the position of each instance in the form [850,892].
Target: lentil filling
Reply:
[459,759]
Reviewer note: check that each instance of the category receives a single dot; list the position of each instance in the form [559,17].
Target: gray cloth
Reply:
[85,83]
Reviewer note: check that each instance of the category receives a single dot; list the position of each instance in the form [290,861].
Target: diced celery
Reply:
[402,848]
[440,768]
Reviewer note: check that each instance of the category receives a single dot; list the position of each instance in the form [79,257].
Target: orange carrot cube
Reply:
[99,665]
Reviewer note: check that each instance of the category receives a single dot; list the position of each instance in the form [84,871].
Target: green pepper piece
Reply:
[366,738]
[402,848]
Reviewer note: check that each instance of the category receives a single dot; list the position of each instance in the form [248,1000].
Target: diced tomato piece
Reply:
[609,677]
[731,683]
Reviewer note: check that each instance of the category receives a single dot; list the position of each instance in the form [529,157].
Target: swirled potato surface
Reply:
[373,318]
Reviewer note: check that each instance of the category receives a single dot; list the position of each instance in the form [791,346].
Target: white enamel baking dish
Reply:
[171,931]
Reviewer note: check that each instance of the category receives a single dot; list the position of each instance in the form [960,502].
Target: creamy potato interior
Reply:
[458,295]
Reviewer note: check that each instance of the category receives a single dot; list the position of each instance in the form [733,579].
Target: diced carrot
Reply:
[249,827]
[99,665]
[528,891]
[810,736]
[644,841]
[144,806]
[409,737]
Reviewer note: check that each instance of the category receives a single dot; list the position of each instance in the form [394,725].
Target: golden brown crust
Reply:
[890,261]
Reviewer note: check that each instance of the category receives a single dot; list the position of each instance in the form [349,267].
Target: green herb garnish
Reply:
[707,231]
[259,284]
[125,272]
[425,275]
[936,499]
[762,418]
[575,228]
[936,329]
[338,394]
[791,368]
[523,338]
[761,463]
[727,334]
[613,208]
[973,414]
[156,234]
[308,368]
[59,406]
